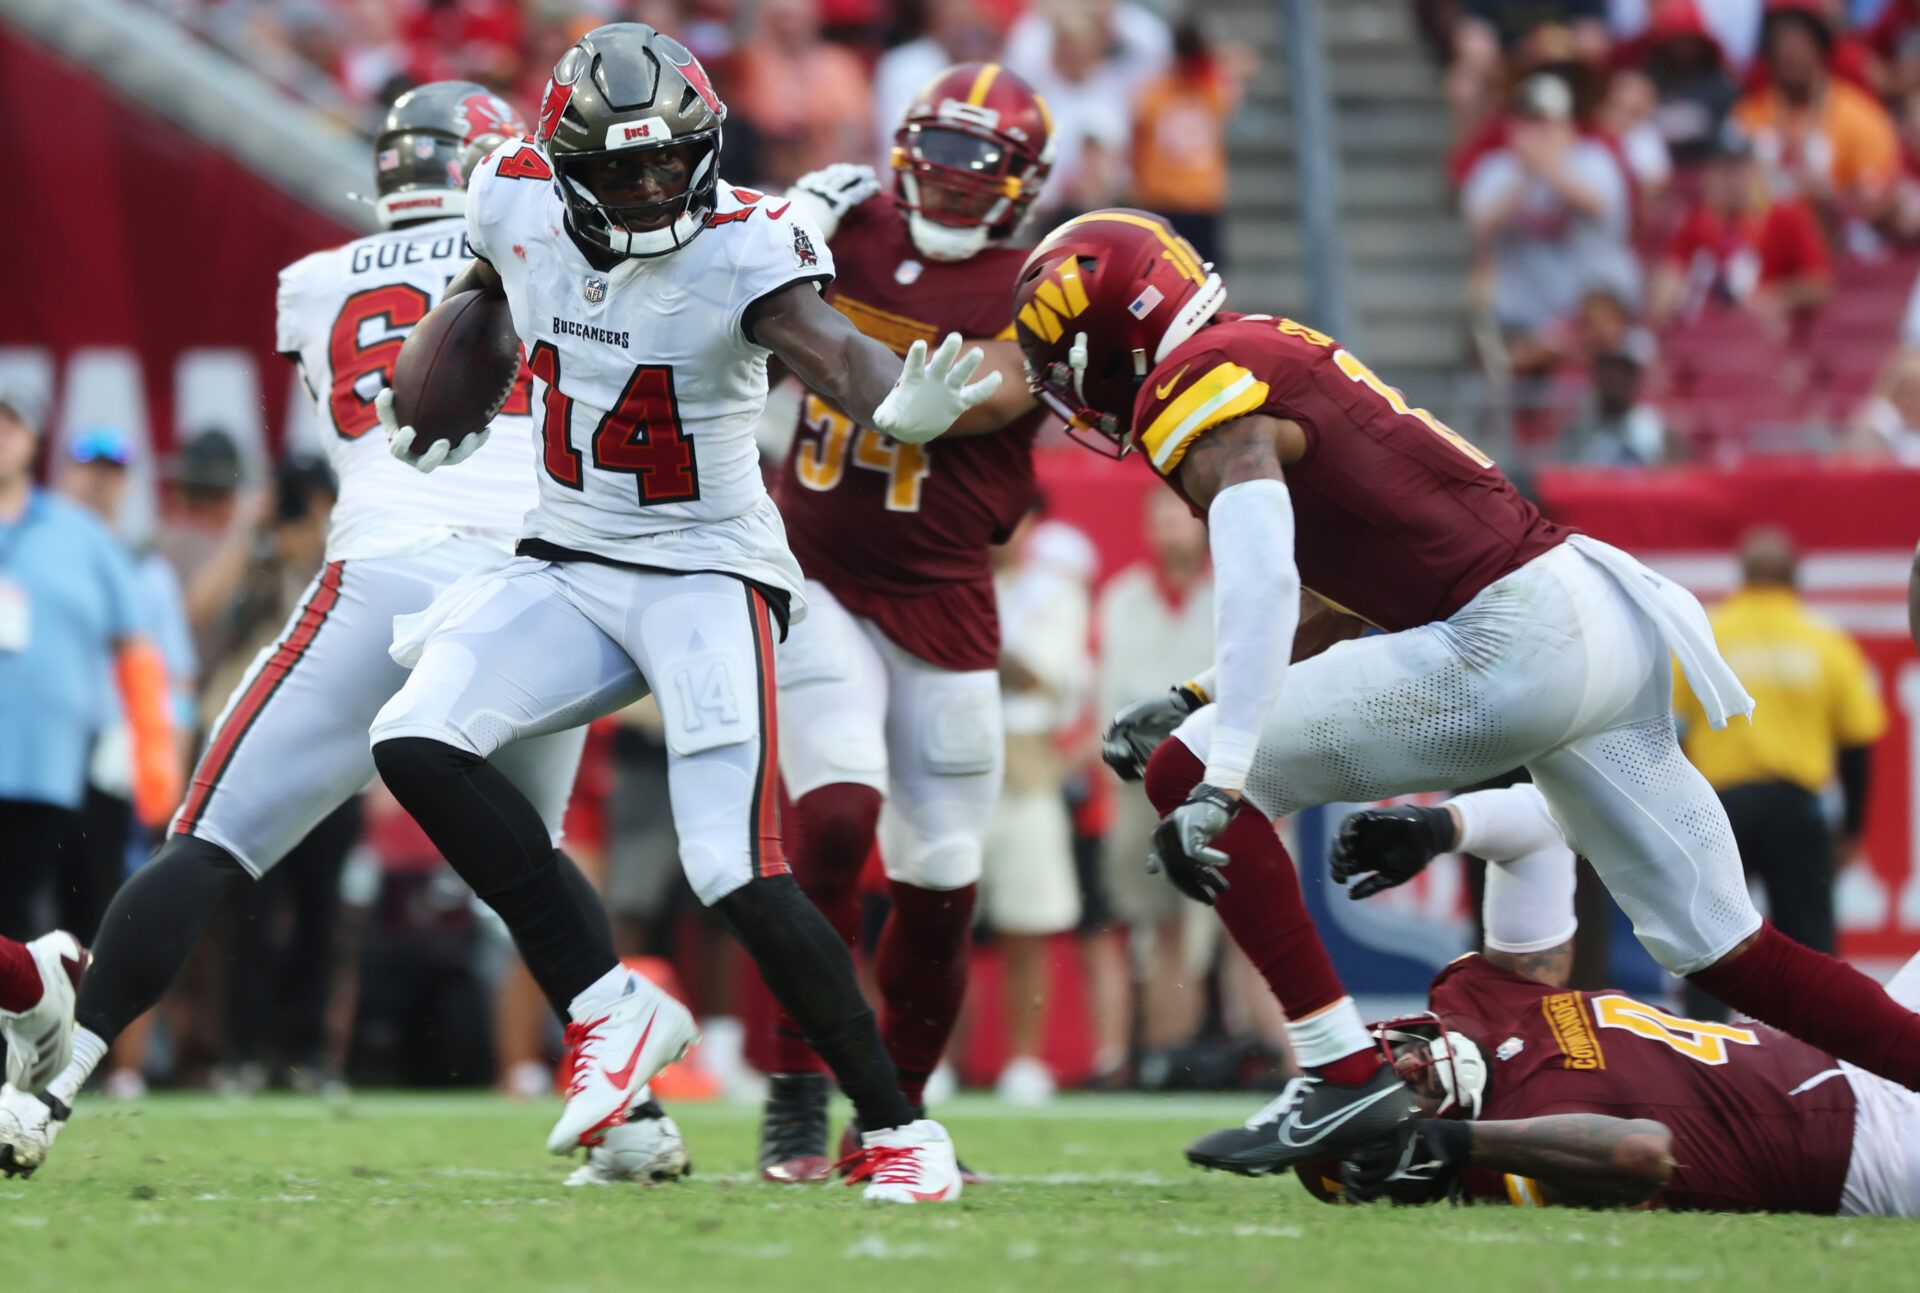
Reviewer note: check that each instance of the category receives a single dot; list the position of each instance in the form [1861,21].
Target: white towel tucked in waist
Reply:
[1683,625]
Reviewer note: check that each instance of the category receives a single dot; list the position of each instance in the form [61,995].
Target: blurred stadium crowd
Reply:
[368,935]
[1696,221]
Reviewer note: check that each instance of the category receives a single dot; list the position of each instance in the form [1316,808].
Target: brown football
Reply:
[456,369]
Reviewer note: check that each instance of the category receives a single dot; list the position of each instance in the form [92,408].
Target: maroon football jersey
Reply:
[1760,1120]
[900,532]
[1397,519]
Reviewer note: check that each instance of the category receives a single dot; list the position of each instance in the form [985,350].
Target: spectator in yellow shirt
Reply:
[1824,139]
[1817,715]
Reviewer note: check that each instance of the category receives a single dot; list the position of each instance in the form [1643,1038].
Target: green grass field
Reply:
[423,1193]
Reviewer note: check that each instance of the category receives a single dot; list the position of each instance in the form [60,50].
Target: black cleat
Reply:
[1312,1120]
[793,1130]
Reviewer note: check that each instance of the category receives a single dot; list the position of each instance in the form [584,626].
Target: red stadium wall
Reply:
[137,238]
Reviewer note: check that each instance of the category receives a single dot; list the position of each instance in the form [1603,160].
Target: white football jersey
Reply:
[650,388]
[343,314]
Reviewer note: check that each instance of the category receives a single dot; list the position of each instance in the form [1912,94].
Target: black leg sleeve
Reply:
[494,838]
[592,905]
[150,928]
[808,968]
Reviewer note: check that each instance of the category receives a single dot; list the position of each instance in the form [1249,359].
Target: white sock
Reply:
[1529,901]
[89,1048]
[1333,1034]
[604,991]
[1500,825]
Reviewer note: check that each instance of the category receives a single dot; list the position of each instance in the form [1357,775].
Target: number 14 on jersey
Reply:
[641,434]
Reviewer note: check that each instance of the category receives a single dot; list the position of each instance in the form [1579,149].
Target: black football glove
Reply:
[1136,731]
[1389,846]
[1183,844]
[1418,1163]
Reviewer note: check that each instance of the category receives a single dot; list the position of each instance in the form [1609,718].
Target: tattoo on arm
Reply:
[1586,1158]
[1244,449]
[1553,966]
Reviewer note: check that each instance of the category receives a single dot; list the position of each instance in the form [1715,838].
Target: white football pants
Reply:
[291,744]
[1553,667]
[541,647]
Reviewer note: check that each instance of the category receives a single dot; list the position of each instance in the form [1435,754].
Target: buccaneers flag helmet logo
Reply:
[486,114]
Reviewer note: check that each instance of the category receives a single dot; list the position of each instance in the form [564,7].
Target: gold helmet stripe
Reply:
[1179,250]
[977,96]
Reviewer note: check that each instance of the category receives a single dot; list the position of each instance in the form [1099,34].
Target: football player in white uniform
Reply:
[649,294]
[291,745]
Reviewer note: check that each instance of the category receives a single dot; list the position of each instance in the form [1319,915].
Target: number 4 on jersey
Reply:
[641,434]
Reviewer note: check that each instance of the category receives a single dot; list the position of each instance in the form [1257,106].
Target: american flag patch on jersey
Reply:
[1143,304]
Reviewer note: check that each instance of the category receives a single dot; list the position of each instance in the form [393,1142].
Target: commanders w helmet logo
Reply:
[1059,295]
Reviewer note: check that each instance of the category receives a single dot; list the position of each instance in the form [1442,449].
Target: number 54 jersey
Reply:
[651,385]
[342,316]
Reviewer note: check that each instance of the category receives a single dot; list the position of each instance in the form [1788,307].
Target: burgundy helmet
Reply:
[969,158]
[1101,301]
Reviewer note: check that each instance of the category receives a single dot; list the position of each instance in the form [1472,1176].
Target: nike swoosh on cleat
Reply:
[1161,391]
[620,1077]
[1332,1122]
[930,1196]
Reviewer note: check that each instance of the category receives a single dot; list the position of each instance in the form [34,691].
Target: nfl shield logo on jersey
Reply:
[908,273]
[595,290]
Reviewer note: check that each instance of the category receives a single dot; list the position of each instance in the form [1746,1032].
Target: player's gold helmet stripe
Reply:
[977,96]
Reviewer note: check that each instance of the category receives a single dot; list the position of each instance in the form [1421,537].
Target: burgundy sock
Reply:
[1264,909]
[20,985]
[829,835]
[922,968]
[1821,1000]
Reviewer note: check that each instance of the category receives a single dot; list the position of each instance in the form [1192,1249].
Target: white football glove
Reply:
[826,195]
[438,454]
[931,393]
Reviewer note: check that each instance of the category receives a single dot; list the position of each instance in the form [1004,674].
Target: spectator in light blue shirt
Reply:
[69,619]
[95,477]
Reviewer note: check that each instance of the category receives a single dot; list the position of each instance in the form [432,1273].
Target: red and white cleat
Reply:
[39,1039]
[910,1164]
[614,1048]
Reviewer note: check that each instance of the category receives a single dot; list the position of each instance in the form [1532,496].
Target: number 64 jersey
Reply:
[342,316]
[651,384]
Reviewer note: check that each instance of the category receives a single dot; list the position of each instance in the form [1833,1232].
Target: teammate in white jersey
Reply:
[291,745]
[649,294]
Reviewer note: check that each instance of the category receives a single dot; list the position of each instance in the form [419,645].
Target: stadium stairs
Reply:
[1407,253]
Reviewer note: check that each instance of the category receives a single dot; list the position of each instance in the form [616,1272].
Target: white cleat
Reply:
[40,1038]
[612,1054]
[646,1148]
[28,1124]
[910,1164]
